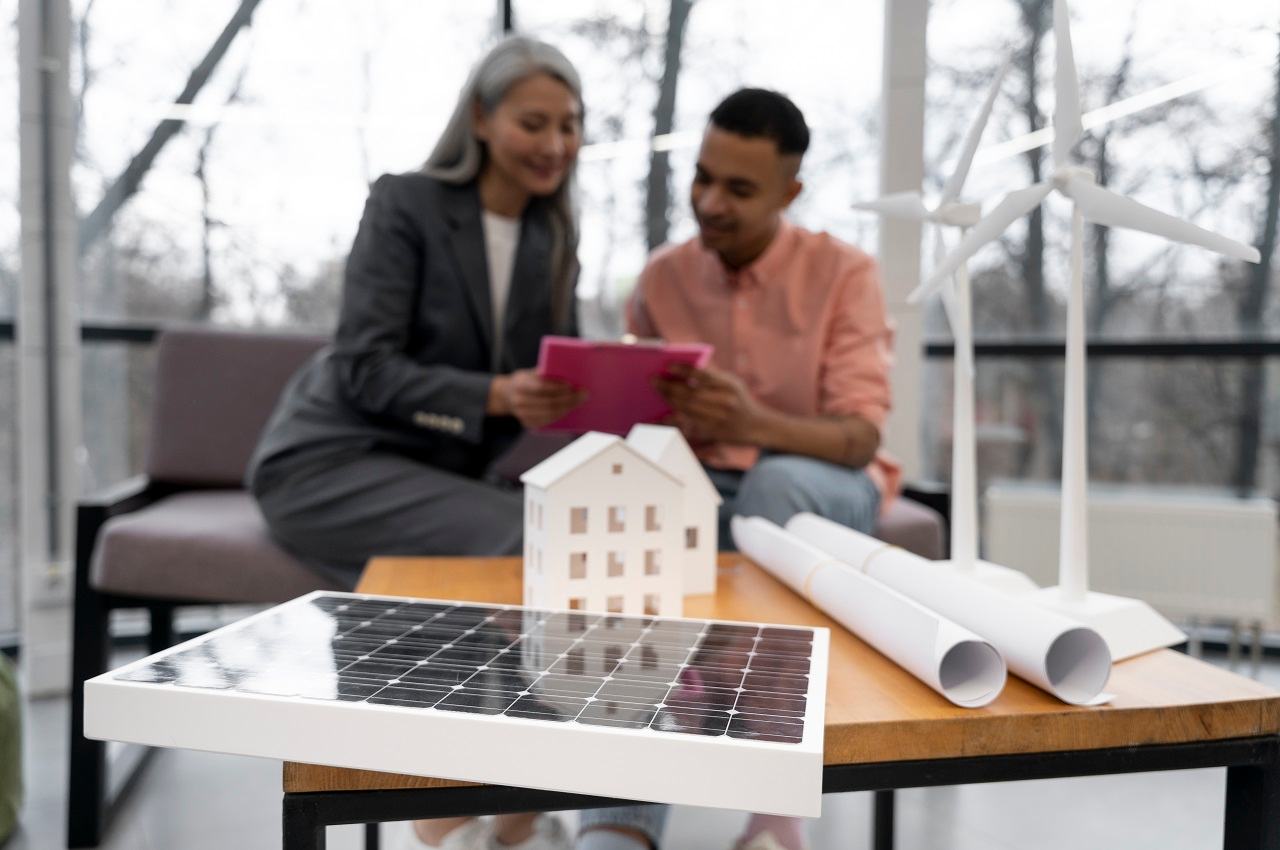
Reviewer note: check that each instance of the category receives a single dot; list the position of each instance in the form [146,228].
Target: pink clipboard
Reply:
[617,377]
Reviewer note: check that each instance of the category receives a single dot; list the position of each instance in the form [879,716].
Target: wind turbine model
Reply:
[1129,626]
[956,299]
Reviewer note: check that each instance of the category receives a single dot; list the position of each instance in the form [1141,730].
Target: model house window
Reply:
[537,561]
[652,562]
[651,521]
[615,565]
[617,469]
[617,519]
[577,603]
[577,520]
[537,509]
[614,604]
[577,565]
[651,605]
[691,538]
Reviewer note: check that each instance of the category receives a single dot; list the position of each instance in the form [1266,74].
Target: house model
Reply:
[619,526]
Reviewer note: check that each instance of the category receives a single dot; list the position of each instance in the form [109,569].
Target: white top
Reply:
[501,236]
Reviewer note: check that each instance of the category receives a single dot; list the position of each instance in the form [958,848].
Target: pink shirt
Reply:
[803,326]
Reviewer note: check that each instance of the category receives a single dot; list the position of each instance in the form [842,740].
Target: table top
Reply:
[876,711]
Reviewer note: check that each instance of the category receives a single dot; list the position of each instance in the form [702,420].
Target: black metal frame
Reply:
[94,791]
[1251,817]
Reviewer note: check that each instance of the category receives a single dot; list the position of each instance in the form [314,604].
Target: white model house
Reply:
[667,448]
[606,527]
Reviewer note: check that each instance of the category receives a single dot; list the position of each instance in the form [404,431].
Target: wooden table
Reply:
[884,728]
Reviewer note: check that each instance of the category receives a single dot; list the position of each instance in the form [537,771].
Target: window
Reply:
[537,509]
[651,520]
[617,469]
[652,605]
[616,565]
[577,565]
[577,520]
[691,537]
[617,519]
[619,48]
[1152,420]
[614,604]
[577,603]
[652,562]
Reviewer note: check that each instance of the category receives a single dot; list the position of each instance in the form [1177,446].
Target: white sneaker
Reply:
[548,834]
[765,840]
[472,835]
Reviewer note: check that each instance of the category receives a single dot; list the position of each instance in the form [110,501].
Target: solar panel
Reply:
[695,712]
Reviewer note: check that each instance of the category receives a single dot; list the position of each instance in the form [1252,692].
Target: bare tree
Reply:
[96,223]
[658,195]
[1252,307]
[208,289]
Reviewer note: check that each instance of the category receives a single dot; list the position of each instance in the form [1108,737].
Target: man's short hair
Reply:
[760,113]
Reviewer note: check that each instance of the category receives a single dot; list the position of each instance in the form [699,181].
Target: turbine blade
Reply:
[1067,128]
[1013,207]
[955,185]
[908,205]
[1102,206]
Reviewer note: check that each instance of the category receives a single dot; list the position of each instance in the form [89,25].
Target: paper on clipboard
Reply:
[617,377]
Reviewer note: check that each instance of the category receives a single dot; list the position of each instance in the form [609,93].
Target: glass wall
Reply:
[9,261]
[1178,97]
[621,47]
[243,216]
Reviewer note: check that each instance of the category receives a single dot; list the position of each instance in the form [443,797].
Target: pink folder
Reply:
[617,377]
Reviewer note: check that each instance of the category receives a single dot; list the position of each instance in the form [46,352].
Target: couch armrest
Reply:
[95,509]
[933,494]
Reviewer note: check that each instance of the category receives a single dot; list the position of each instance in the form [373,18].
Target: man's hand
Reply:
[711,405]
[533,400]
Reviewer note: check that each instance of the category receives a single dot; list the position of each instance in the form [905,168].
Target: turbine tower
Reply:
[1129,626]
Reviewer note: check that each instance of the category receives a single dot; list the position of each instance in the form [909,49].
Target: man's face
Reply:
[740,187]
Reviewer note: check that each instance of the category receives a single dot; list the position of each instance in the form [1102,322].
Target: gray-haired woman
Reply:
[380,444]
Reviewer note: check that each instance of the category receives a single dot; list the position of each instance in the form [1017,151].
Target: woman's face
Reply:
[533,134]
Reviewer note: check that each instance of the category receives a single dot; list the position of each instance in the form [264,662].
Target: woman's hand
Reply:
[533,400]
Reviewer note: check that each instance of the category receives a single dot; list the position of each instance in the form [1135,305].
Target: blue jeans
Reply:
[780,486]
[777,488]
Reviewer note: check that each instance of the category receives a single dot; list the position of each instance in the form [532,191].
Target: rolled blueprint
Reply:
[1060,655]
[953,661]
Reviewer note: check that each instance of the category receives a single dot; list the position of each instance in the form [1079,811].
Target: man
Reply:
[788,417]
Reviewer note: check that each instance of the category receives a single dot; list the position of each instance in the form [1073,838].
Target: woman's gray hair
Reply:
[459,155]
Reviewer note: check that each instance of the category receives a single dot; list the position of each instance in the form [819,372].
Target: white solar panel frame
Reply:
[637,764]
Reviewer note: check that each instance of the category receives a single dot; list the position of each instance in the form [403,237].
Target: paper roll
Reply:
[1060,655]
[952,660]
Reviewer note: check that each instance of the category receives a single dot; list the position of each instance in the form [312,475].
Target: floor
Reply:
[198,801]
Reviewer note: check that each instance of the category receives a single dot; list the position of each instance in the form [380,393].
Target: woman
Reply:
[381,443]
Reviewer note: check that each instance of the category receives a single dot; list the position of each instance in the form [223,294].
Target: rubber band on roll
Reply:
[866,563]
[807,585]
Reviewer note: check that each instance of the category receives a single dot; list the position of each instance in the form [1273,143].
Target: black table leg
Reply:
[882,820]
[371,836]
[303,829]
[1252,820]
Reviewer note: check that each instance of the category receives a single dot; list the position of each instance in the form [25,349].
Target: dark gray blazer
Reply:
[411,364]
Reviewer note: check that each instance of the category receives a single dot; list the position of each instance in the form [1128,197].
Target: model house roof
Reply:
[582,450]
[667,448]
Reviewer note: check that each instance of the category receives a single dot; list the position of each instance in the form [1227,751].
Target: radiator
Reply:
[1188,553]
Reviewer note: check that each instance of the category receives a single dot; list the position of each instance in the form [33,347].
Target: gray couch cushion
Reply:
[210,546]
[214,392]
[914,527]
